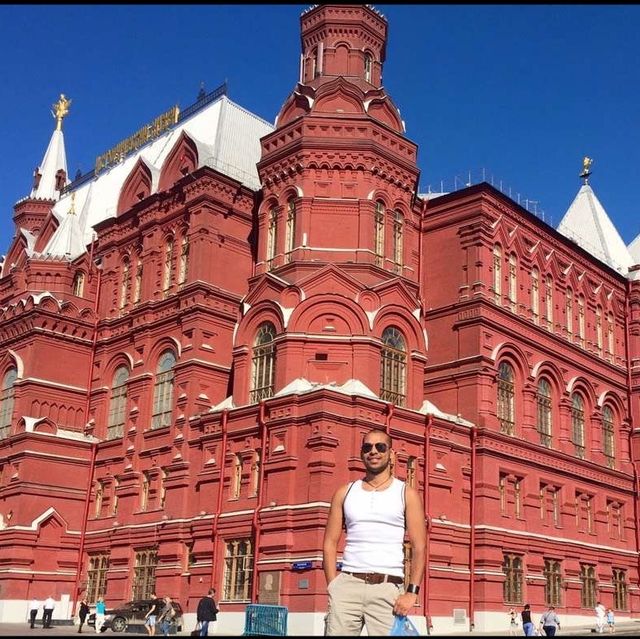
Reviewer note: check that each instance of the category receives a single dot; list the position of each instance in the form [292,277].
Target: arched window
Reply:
[291,229]
[393,369]
[78,284]
[544,412]
[7,401]
[264,360]
[236,478]
[163,391]
[535,295]
[398,232]
[378,226]
[548,302]
[577,424]
[137,291]
[184,261]
[610,334]
[599,329]
[513,281]
[272,237]
[368,66]
[167,279]
[513,579]
[506,399]
[125,287]
[115,426]
[569,310]
[581,319]
[497,273]
[608,436]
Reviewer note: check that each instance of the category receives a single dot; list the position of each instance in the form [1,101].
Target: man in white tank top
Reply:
[375,512]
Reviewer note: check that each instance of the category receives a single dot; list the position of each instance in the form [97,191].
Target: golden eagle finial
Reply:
[60,110]
[586,169]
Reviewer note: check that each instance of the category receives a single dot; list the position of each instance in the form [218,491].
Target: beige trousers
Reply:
[354,604]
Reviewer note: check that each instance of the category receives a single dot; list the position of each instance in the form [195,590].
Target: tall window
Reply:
[184,261]
[513,281]
[581,328]
[378,222]
[535,295]
[167,279]
[7,395]
[398,232]
[393,367]
[588,582]
[506,398]
[569,310]
[99,498]
[577,424]
[163,391]
[368,64]
[553,582]
[264,360]
[137,289]
[144,491]
[272,237]
[620,589]
[610,334]
[614,519]
[78,284]
[599,329]
[144,574]
[125,287]
[550,504]
[117,406]
[236,478]
[608,436]
[97,577]
[411,472]
[497,273]
[548,302]
[584,512]
[255,473]
[291,229]
[544,422]
[238,573]
[512,587]
[510,489]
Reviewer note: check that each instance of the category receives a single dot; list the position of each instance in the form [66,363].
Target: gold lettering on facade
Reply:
[139,138]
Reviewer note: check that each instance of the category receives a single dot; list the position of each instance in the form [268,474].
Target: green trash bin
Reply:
[260,619]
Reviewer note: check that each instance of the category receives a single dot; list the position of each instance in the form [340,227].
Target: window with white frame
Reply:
[393,367]
[577,424]
[144,573]
[291,229]
[238,573]
[548,302]
[497,273]
[506,399]
[513,281]
[535,295]
[118,403]
[608,436]
[7,399]
[263,362]
[378,221]
[398,233]
[163,391]
[272,237]
[544,415]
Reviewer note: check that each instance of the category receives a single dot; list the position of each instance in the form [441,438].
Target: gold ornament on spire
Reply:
[586,169]
[72,208]
[60,110]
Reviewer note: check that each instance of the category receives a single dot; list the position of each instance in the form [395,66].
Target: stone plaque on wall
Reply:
[269,588]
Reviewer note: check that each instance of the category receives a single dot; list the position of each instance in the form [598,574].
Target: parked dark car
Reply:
[133,613]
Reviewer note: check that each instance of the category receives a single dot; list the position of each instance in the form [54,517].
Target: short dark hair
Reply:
[382,432]
[212,591]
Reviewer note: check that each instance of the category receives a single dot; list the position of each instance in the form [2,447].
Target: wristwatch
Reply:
[412,588]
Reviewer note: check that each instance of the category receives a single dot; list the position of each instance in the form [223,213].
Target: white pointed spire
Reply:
[47,184]
[634,250]
[68,240]
[587,224]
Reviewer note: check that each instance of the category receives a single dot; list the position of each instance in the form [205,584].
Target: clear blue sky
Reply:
[521,91]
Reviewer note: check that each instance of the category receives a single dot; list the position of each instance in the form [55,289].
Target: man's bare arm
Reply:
[332,534]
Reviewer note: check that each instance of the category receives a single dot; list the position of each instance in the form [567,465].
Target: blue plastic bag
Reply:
[403,627]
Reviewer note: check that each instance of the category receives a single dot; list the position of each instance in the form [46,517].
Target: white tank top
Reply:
[375,529]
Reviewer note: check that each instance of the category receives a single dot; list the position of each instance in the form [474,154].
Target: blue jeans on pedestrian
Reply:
[204,628]
[164,626]
[528,629]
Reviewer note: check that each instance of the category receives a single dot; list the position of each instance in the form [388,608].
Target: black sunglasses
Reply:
[381,447]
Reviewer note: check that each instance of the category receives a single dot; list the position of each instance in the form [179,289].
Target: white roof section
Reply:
[587,224]
[54,160]
[227,138]
[634,250]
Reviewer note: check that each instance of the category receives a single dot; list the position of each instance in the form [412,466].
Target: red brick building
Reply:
[195,335]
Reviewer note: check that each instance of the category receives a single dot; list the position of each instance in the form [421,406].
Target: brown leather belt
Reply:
[375,577]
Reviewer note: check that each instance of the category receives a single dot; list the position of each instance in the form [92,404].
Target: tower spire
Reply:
[586,169]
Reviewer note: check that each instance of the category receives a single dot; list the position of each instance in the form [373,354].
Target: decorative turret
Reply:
[48,179]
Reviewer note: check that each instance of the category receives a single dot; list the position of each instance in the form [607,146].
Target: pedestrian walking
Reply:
[207,612]
[151,618]
[513,622]
[611,620]
[34,606]
[101,611]
[549,622]
[83,611]
[166,616]
[601,617]
[375,512]
[49,605]
[527,624]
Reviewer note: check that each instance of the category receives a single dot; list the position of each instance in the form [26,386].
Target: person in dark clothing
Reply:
[83,611]
[527,624]
[207,611]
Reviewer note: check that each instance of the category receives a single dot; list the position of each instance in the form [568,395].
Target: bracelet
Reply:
[413,589]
